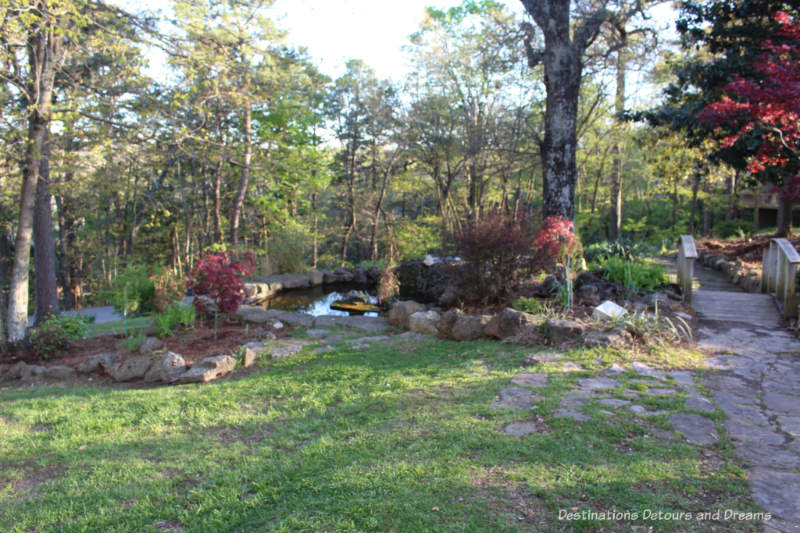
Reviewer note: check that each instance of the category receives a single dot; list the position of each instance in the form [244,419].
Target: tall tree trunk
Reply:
[350,224]
[695,190]
[731,188]
[373,245]
[44,251]
[784,216]
[242,191]
[41,52]
[5,271]
[315,228]
[218,202]
[619,162]
[562,80]
[708,214]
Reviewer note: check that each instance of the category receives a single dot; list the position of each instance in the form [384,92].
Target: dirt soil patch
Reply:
[749,251]
[193,344]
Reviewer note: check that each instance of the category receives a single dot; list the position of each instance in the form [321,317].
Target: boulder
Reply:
[271,318]
[315,277]
[360,276]
[509,323]
[130,369]
[447,321]
[399,313]
[208,305]
[374,274]
[256,292]
[15,370]
[100,361]
[423,322]
[32,372]
[469,327]
[282,282]
[252,351]
[59,372]
[613,338]
[208,369]
[550,286]
[559,331]
[150,344]
[449,297]
[608,310]
[166,368]
[592,288]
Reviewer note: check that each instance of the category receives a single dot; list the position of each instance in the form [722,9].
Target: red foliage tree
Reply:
[767,110]
[501,252]
[220,278]
[557,239]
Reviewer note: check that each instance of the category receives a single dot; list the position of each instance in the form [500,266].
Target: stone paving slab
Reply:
[754,378]
[515,398]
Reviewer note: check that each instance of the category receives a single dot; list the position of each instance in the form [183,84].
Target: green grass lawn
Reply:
[132,325]
[391,438]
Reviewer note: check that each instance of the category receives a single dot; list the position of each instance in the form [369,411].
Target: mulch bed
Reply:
[193,344]
[750,250]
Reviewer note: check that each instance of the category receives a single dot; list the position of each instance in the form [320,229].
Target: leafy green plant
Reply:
[734,228]
[532,306]
[547,310]
[653,327]
[133,292]
[54,335]
[133,342]
[289,247]
[168,289]
[634,275]
[174,316]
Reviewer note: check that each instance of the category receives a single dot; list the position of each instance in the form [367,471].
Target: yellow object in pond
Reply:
[354,307]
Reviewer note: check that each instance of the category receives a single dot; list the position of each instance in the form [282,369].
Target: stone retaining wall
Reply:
[735,271]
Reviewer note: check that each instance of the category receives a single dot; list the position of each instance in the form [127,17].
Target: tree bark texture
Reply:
[619,161]
[236,214]
[41,52]
[45,247]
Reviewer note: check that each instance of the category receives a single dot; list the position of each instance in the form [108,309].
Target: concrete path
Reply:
[754,377]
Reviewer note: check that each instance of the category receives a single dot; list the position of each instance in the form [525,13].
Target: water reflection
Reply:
[317,301]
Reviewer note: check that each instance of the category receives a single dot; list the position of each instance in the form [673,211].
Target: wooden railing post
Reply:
[687,253]
[779,272]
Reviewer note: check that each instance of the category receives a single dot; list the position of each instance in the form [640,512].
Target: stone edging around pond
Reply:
[153,365]
[159,366]
[509,325]
[733,270]
[260,289]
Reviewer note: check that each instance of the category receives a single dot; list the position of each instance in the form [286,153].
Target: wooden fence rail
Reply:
[687,253]
[778,275]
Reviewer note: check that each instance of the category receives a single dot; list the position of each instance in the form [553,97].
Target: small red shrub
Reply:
[220,278]
[499,252]
[557,239]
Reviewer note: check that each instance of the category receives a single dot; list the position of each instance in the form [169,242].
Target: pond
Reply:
[317,301]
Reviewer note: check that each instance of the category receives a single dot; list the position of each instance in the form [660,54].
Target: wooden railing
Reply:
[687,253]
[779,272]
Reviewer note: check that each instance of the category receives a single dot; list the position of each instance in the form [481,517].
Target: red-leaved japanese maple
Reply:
[220,279]
[769,106]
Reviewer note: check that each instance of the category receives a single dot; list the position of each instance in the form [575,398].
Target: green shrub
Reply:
[290,247]
[734,228]
[634,275]
[528,305]
[133,292]
[168,289]
[622,248]
[174,316]
[54,335]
